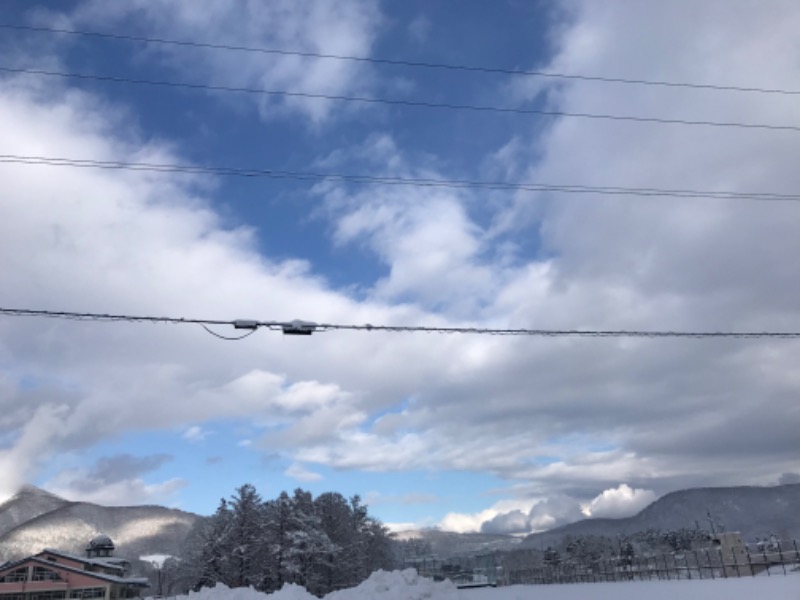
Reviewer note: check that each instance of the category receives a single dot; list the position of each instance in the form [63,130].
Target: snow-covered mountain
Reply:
[30,502]
[35,519]
[753,511]
[449,543]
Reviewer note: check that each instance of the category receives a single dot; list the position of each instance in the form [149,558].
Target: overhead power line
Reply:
[389,181]
[403,63]
[299,327]
[510,110]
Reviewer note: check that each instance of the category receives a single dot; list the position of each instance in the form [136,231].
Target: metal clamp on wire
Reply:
[298,327]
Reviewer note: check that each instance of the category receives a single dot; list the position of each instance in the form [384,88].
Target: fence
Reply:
[465,571]
[709,563]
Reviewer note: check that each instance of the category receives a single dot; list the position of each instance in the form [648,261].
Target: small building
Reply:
[56,575]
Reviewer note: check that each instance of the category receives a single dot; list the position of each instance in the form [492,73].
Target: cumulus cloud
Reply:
[122,466]
[515,521]
[472,522]
[341,28]
[520,516]
[619,502]
[301,473]
[402,527]
[76,486]
[116,481]
[195,433]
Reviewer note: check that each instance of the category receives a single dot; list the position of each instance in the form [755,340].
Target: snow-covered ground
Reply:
[407,585]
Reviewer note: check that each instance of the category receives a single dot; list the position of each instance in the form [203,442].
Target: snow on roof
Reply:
[109,562]
[137,581]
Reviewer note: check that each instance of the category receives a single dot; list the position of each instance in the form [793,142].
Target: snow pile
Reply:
[221,591]
[398,585]
[394,585]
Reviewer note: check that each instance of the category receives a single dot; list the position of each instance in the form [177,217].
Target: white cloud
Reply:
[469,523]
[301,473]
[402,527]
[622,501]
[79,485]
[340,28]
[522,515]
[195,433]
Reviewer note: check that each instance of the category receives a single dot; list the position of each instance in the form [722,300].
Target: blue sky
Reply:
[460,432]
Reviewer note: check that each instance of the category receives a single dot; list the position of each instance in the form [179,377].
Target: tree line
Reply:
[323,543]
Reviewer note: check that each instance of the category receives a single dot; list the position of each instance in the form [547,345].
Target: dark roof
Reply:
[100,542]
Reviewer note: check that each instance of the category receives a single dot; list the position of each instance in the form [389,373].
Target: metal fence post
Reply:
[735,563]
[750,564]
[710,566]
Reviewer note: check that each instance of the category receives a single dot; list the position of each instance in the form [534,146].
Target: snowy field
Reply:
[406,585]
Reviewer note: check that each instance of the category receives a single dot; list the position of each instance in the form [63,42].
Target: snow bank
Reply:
[394,585]
[223,592]
[398,585]
[746,588]
[407,585]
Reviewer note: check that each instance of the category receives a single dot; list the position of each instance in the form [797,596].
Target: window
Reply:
[15,576]
[60,595]
[45,574]
[99,592]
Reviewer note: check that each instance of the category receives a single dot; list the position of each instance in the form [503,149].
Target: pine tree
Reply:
[334,518]
[244,537]
[211,562]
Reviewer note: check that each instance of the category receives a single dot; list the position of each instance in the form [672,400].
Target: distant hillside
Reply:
[136,530]
[448,543]
[29,503]
[753,511]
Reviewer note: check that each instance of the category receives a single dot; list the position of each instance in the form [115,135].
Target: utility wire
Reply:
[229,338]
[399,102]
[307,327]
[404,181]
[404,63]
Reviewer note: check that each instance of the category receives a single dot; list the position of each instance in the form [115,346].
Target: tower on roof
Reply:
[100,546]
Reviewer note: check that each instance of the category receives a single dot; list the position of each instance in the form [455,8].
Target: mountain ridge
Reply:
[751,510]
[28,503]
[34,519]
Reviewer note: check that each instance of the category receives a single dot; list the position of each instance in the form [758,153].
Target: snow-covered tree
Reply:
[323,544]
[244,537]
[210,557]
